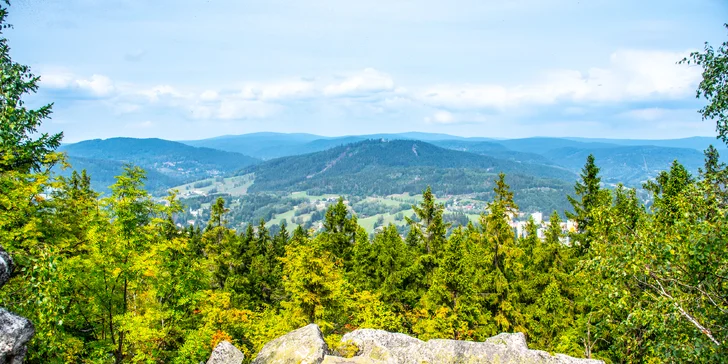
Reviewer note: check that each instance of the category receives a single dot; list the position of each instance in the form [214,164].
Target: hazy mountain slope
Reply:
[492,149]
[103,173]
[543,145]
[259,145]
[697,143]
[275,145]
[630,165]
[179,161]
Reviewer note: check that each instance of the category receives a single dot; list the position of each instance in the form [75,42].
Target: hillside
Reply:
[630,165]
[103,174]
[697,143]
[493,149]
[275,145]
[376,167]
[175,161]
[258,145]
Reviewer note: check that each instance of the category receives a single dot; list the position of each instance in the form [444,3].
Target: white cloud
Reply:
[649,114]
[278,90]
[126,107]
[441,117]
[155,93]
[233,108]
[367,81]
[56,79]
[140,125]
[631,75]
[96,85]
[209,95]
[242,109]
[99,85]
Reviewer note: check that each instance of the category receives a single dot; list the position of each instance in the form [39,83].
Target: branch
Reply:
[683,312]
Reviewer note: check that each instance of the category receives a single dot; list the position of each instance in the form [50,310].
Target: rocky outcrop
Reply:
[6,266]
[382,347]
[15,331]
[226,353]
[303,346]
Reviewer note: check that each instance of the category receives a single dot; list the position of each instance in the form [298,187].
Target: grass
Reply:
[235,186]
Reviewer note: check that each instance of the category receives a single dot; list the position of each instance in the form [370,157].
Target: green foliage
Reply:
[590,196]
[382,168]
[171,163]
[116,280]
[714,86]
[21,149]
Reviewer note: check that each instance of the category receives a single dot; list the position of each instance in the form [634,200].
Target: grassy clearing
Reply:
[235,186]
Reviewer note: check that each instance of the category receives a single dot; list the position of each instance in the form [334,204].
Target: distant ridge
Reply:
[176,161]
[267,145]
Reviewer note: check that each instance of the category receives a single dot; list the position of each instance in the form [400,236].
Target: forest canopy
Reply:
[114,279]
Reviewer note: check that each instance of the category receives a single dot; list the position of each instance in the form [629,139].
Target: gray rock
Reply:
[377,346]
[330,359]
[15,331]
[226,353]
[306,345]
[385,346]
[6,266]
[303,346]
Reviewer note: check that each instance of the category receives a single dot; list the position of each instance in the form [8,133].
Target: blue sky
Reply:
[191,69]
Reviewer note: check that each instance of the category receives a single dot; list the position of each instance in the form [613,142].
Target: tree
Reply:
[341,232]
[496,223]
[714,177]
[452,296]
[314,284]
[714,86]
[549,291]
[589,197]
[131,210]
[500,277]
[20,150]
[431,229]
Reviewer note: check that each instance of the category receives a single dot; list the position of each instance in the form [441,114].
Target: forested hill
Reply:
[630,165]
[167,162]
[381,167]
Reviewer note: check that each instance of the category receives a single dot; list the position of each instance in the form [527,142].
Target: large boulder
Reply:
[303,346]
[306,345]
[226,353]
[379,347]
[386,346]
[15,331]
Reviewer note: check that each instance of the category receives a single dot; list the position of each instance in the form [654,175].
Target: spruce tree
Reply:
[22,148]
[588,198]
[505,269]
[430,230]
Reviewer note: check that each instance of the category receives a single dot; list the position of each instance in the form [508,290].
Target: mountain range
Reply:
[383,163]
[168,163]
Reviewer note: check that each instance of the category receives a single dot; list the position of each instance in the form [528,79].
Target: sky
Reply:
[193,69]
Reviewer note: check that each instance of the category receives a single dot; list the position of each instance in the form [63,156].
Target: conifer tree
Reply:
[714,178]
[341,232]
[430,230]
[452,296]
[505,269]
[314,285]
[22,148]
[589,197]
